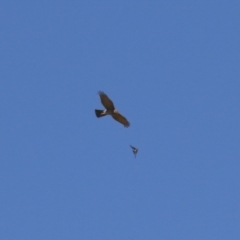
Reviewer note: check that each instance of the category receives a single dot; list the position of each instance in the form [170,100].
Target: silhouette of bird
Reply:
[135,150]
[110,110]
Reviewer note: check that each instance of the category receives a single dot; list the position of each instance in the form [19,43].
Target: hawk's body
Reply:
[110,110]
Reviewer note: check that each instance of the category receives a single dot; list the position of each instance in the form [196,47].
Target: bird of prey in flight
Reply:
[135,150]
[110,110]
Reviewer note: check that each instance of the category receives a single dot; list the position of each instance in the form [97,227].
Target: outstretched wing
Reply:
[118,117]
[133,147]
[106,101]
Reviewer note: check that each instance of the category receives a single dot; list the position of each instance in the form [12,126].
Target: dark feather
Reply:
[106,101]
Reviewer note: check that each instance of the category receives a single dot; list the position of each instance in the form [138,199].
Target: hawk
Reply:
[110,110]
[135,150]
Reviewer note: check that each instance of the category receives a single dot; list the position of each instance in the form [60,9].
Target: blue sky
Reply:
[172,68]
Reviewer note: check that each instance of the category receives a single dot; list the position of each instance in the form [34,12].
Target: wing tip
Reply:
[127,125]
[101,93]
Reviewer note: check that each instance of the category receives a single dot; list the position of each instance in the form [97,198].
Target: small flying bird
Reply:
[110,110]
[135,150]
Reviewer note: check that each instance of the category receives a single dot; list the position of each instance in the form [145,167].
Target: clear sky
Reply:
[172,68]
